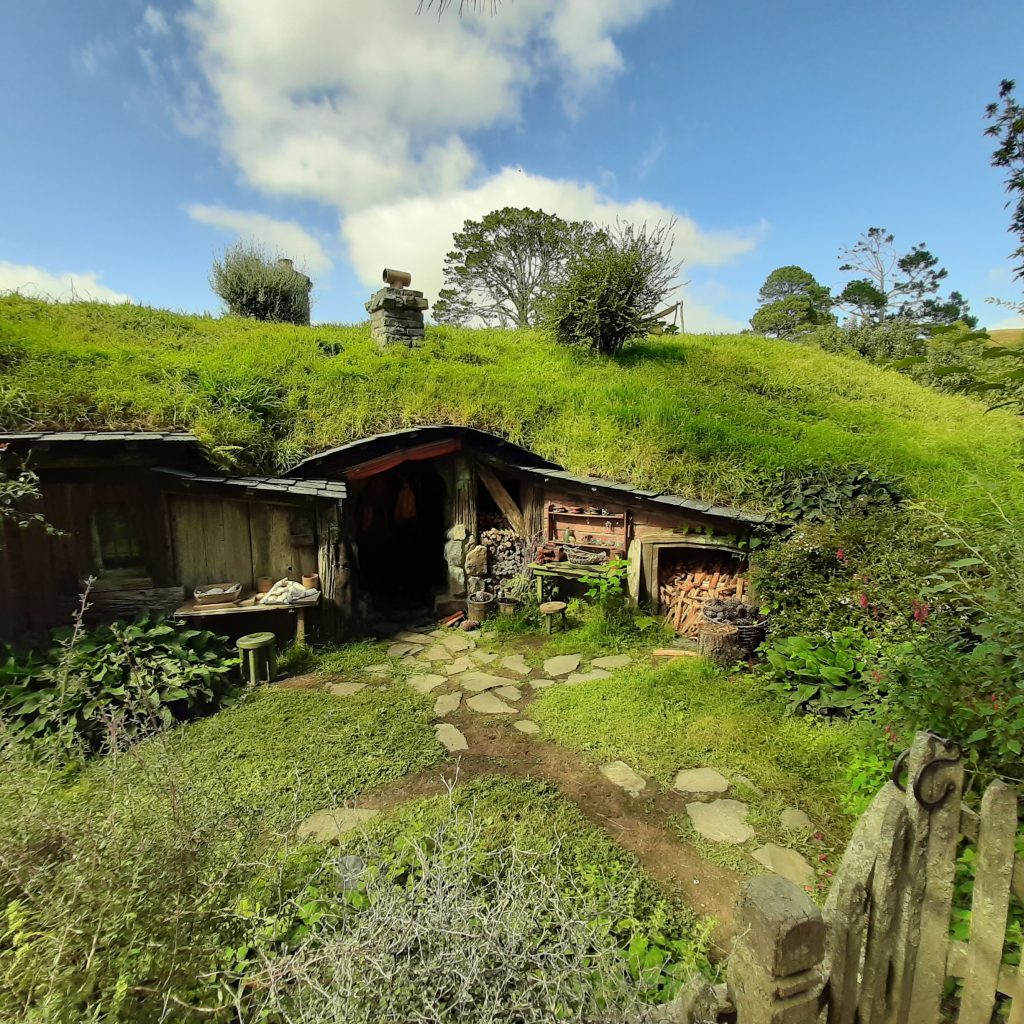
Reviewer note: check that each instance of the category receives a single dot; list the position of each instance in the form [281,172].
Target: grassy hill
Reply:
[713,416]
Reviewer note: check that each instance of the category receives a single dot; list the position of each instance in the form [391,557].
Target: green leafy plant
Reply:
[94,690]
[835,673]
[815,493]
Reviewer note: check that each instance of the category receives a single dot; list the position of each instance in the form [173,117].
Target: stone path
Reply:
[620,774]
[333,822]
[722,821]
[487,684]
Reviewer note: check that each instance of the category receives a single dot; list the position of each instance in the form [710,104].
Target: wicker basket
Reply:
[751,637]
[582,558]
[217,593]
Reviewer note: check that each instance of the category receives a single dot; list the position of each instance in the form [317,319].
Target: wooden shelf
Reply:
[589,515]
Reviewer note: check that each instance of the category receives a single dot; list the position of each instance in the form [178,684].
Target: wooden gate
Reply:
[882,953]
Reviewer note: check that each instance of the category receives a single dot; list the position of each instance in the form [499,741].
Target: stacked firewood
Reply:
[504,554]
[683,594]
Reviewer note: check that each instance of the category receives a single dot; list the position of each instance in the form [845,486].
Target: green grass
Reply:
[690,715]
[711,416]
[285,753]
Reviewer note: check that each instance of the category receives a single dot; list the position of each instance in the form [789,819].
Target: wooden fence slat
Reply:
[879,980]
[990,903]
[846,909]
[929,973]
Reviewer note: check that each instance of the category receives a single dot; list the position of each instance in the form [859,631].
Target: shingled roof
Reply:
[304,488]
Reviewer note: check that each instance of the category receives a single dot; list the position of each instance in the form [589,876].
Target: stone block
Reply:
[476,561]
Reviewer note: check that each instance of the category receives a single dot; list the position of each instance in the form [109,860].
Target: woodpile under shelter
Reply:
[415,518]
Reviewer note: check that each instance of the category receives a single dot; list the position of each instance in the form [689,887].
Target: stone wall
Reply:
[396,316]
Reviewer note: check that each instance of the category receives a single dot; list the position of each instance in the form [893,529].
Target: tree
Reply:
[791,301]
[504,266]
[894,286]
[254,285]
[613,287]
[1008,129]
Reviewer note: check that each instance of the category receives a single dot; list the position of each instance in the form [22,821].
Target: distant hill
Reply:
[1009,336]
[709,416]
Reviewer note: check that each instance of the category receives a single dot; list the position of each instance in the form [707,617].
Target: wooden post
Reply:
[463,500]
[775,973]
[502,499]
[333,569]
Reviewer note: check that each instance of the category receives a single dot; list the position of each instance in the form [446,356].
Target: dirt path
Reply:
[640,825]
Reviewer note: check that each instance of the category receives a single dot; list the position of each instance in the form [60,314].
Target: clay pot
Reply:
[263,584]
[312,581]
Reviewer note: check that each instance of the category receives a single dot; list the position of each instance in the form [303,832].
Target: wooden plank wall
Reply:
[218,540]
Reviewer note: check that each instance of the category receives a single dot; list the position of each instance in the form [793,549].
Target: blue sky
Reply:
[141,138]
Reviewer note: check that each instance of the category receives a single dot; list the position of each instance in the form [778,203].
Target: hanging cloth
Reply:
[405,506]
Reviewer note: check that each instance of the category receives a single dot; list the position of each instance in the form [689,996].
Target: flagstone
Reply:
[620,774]
[508,692]
[415,638]
[345,689]
[722,821]
[562,665]
[377,670]
[446,704]
[613,661]
[450,738]
[488,704]
[787,863]
[541,684]
[796,820]
[462,664]
[457,642]
[516,663]
[437,653]
[477,682]
[332,822]
[587,677]
[525,725]
[483,657]
[700,780]
[426,683]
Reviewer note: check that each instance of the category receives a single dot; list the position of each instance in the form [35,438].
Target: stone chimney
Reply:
[286,264]
[396,315]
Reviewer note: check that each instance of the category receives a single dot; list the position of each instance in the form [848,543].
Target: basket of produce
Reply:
[582,558]
[217,593]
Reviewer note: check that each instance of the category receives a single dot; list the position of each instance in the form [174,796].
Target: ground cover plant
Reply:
[91,690]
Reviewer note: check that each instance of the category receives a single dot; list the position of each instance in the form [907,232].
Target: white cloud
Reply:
[94,56]
[354,104]
[370,110]
[155,21]
[282,237]
[59,287]
[414,234]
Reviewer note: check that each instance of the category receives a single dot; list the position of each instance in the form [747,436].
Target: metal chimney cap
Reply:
[397,278]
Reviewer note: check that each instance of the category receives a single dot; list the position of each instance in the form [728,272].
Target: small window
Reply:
[119,545]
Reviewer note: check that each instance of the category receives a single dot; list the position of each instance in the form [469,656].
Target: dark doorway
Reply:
[400,533]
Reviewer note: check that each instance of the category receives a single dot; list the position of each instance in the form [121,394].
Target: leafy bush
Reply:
[253,285]
[838,672]
[614,286]
[91,691]
[815,493]
[865,571]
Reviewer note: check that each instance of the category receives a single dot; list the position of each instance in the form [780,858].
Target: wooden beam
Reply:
[496,489]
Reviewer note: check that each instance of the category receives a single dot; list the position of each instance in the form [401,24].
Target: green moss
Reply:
[689,715]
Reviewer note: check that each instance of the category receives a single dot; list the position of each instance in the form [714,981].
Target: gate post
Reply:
[775,971]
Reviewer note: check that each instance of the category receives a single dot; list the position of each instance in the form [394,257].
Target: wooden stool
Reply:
[552,608]
[258,652]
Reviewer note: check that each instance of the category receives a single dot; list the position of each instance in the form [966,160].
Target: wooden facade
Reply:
[149,520]
[389,522]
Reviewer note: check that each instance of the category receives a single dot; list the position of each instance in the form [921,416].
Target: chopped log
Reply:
[719,642]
